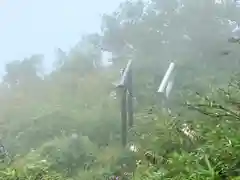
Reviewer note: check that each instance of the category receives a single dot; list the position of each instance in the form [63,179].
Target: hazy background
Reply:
[39,27]
[67,124]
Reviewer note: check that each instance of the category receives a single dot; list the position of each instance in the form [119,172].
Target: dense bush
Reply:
[210,152]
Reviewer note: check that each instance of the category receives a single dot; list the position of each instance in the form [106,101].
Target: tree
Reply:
[23,72]
[192,33]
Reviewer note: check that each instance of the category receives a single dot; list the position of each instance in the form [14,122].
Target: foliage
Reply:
[212,152]
[38,170]
[66,124]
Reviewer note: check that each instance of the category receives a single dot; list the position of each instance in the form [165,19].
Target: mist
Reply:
[151,93]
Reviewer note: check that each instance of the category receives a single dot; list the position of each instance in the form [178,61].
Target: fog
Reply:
[153,94]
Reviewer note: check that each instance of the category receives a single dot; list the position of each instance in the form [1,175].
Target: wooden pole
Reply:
[130,99]
[125,86]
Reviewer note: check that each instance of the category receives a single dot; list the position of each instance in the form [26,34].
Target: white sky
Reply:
[40,26]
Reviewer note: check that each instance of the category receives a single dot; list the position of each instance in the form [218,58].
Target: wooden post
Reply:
[125,86]
[166,86]
[130,99]
[124,116]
